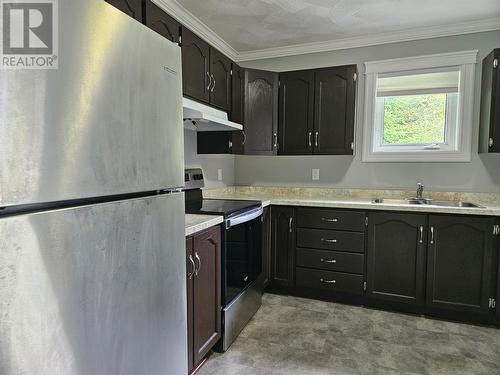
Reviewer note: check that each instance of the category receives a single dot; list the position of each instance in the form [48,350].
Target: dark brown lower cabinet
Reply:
[283,247]
[460,263]
[204,294]
[497,300]
[396,257]
[266,248]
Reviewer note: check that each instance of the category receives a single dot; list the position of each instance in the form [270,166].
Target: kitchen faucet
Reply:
[420,191]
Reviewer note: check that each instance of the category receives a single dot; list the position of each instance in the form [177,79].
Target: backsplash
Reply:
[348,194]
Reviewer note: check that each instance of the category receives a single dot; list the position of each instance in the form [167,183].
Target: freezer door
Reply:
[107,121]
[97,290]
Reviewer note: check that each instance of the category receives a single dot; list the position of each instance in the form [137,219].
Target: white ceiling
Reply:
[251,25]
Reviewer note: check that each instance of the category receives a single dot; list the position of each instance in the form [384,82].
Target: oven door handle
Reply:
[249,216]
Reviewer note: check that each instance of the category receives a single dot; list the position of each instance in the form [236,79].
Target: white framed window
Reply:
[419,109]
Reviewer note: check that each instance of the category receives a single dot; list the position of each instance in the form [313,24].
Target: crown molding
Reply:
[188,19]
[376,39]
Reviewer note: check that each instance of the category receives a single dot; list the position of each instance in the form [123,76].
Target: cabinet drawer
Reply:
[334,281]
[331,219]
[331,240]
[331,260]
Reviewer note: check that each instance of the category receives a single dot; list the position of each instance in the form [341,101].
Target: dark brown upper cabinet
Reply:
[489,139]
[261,112]
[237,104]
[334,110]
[156,19]
[317,111]
[296,113]
[460,263]
[220,74]
[131,7]
[195,66]
[206,72]
[396,256]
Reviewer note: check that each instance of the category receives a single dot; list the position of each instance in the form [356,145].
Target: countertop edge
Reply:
[199,223]
[368,205]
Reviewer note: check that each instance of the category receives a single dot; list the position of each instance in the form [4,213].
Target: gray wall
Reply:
[209,163]
[482,174]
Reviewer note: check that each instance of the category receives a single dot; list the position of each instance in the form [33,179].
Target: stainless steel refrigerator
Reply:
[92,259]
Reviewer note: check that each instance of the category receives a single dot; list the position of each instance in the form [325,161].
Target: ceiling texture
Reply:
[256,25]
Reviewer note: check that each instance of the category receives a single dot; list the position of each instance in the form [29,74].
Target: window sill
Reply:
[417,157]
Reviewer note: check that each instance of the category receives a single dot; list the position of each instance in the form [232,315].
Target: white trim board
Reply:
[181,14]
[201,29]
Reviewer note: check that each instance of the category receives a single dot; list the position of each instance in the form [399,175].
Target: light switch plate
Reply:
[219,174]
[315,174]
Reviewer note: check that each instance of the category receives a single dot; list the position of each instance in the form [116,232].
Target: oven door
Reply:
[243,254]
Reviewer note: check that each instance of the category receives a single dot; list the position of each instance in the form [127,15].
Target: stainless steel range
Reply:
[241,254]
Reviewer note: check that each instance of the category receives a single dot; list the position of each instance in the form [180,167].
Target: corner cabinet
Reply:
[460,265]
[489,139]
[158,20]
[317,111]
[283,247]
[133,8]
[396,255]
[266,248]
[203,252]
[261,112]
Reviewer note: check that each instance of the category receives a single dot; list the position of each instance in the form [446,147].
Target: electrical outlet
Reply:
[315,174]
[219,174]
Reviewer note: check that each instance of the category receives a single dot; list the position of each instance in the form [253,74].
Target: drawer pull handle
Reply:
[329,220]
[328,261]
[327,281]
[329,241]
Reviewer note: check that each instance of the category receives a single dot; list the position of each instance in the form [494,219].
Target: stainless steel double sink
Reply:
[426,202]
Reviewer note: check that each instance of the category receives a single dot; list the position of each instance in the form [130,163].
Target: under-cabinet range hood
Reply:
[203,118]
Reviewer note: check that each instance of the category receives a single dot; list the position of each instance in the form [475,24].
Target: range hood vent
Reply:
[203,118]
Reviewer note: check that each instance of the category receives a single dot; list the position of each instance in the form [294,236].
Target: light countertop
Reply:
[351,200]
[198,223]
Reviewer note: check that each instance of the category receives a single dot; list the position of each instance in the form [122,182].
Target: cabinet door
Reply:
[334,111]
[497,247]
[459,269]
[238,86]
[131,7]
[190,267]
[296,113]
[195,69]
[220,71]
[396,257]
[215,142]
[207,292]
[489,138]
[158,20]
[282,268]
[261,112]
[266,247]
